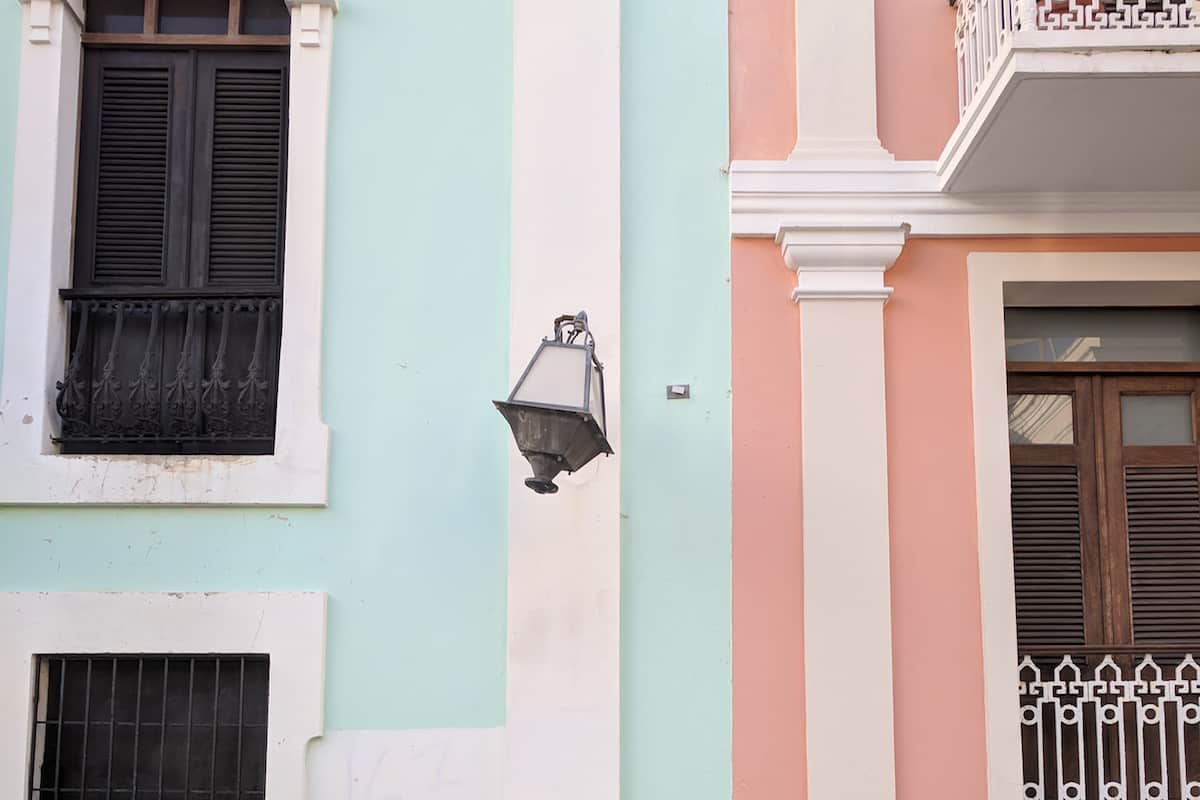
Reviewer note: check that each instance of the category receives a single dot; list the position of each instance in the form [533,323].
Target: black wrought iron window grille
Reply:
[149,727]
[171,372]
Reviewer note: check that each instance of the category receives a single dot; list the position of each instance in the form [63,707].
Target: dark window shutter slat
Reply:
[1047,556]
[246,201]
[131,184]
[1163,514]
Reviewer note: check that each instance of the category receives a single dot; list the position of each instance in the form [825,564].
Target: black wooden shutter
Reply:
[241,157]
[132,201]
[1047,558]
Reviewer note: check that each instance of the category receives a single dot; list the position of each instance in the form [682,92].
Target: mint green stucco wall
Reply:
[412,548]
[676,616]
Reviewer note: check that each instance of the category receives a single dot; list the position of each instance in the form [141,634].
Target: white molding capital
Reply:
[310,14]
[841,263]
[43,15]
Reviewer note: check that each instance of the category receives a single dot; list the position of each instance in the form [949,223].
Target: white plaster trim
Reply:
[841,263]
[849,694]
[39,263]
[290,628]
[424,764]
[1037,54]
[563,692]
[835,81]
[770,196]
[987,275]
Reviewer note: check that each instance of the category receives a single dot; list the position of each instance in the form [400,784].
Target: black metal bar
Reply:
[241,720]
[233,293]
[212,780]
[149,438]
[62,690]
[112,726]
[137,725]
[87,720]
[187,762]
[162,734]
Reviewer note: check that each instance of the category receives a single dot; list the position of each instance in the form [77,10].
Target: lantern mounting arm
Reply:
[569,327]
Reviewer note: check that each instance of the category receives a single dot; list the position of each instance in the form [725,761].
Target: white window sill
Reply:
[296,475]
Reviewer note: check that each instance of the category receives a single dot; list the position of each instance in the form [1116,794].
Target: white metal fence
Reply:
[1121,729]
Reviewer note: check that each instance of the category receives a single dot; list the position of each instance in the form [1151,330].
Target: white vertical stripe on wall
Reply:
[563,726]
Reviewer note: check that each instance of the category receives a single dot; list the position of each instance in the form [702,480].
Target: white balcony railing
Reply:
[986,27]
[1112,731]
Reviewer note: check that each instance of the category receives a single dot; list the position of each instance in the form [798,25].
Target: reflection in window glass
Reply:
[1156,419]
[1102,334]
[115,16]
[195,17]
[1040,419]
[266,18]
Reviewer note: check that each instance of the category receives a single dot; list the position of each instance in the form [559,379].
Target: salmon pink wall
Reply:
[768,607]
[937,645]
[768,611]
[916,76]
[762,78]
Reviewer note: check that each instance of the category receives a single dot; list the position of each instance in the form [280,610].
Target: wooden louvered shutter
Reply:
[1047,557]
[1163,513]
[1055,542]
[132,200]
[1155,514]
[241,155]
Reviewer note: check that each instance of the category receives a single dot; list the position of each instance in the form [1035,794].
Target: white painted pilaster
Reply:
[835,81]
[563,731]
[847,583]
[43,191]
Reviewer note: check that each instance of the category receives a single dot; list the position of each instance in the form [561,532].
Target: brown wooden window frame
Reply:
[1101,457]
[150,35]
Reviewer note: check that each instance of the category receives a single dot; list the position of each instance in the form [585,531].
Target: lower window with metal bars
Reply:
[149,727]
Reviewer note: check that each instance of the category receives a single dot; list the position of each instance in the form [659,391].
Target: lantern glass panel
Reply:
[556,377]
[597,400]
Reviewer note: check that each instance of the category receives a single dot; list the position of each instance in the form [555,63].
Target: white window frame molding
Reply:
[289,628]
[1050,279]
[32,471]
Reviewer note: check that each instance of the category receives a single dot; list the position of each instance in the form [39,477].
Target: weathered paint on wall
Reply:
[676,469]
[412,546]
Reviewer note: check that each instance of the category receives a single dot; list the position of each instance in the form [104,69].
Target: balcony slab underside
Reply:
[1056,113]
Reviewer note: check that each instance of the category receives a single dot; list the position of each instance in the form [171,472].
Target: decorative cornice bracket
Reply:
[841,263]
[310,18]
[42,16]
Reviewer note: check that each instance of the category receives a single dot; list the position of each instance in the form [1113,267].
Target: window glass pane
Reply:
[1040,419]
[1102,334]
[115,16]
[266,18]
[193,16]
[1151,419]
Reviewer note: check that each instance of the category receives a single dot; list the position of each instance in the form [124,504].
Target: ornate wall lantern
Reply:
[556,410]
